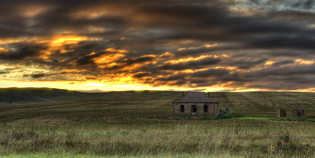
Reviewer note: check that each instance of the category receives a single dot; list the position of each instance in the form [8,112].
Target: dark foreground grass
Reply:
[137,125]
[156,141]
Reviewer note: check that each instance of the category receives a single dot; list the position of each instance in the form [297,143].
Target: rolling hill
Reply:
[26,95]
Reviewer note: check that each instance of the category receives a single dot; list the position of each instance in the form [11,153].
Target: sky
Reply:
[200,45]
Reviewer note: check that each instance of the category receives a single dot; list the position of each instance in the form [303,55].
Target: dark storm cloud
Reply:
[140,75]
[86,60]
[284,53]
[176,77]
[287,70]
[130,62]
[246,63]
[179,83]
[283,62]
[139,60]
[22,51]
[287,15]
[286,77]
[237,78]
[292,4]
[53,17]
[202,82]
[199,81]
[38,75]
[292,41]
[305,5]
[210,73]
[292,82]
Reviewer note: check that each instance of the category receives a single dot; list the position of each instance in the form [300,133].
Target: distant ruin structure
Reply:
[302,113]
[221,112]
[228,110]
[195,103]
[295,113]
[282,113]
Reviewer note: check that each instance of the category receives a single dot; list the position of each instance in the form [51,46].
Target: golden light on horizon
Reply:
[120,86]
[96,84]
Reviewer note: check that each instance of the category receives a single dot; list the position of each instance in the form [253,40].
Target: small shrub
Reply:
[285,137]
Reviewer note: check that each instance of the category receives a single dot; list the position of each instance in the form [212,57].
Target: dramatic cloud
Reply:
[22,50]
[215,45]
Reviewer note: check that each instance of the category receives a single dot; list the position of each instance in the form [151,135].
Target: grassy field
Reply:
[129,124]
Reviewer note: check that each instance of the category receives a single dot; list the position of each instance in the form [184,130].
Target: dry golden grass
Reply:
[181,139]
[114,126]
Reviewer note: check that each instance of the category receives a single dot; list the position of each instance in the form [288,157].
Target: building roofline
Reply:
[195,97]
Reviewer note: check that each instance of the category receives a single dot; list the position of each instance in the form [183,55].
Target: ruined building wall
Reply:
[212,108]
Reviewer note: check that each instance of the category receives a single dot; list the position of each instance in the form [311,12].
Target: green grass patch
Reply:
[253,118]
[229,116]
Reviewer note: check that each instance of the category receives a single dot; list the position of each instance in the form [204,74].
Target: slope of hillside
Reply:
[19,95]
[262,103]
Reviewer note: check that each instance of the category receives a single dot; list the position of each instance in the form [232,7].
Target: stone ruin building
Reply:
[226,111]
[294,113]
[282,113]
[302,113]
[195,103]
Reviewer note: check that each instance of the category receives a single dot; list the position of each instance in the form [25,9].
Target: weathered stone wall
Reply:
[302,113]
[295,113]
[216,109]
[228,110]
[200,107]
[282,112]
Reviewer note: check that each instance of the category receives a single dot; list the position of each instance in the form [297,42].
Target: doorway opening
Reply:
[193,110]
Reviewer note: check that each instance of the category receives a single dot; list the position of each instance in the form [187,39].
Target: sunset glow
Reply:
[181,45]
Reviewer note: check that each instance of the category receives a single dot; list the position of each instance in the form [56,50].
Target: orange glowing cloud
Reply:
[306,62]
[72,70]
[110,58]
[205,45]
[269,62]
[194,59]
[166,54]
[3,49]
[60,40]
[149,55]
